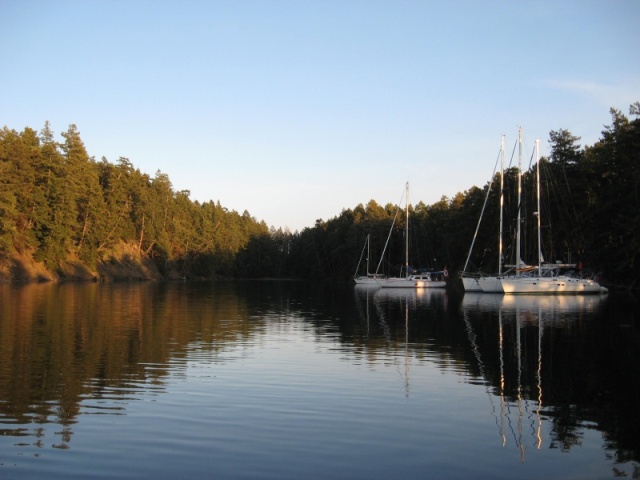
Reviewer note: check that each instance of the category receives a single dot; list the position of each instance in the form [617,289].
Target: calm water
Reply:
[270,380]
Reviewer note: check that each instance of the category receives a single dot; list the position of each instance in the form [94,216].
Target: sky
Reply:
[294,110]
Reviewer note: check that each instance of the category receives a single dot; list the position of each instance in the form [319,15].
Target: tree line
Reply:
[59,206]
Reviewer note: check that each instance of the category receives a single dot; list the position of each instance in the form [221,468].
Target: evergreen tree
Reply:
[59,204]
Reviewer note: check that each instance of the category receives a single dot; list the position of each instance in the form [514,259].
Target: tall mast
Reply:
[501,205]
[519,201]
[406,238]
[368,251]
[538,213]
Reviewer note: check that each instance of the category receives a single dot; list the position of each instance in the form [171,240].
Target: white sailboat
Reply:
[471,280]
[480,282]
[491,283]
[422,280]
[546,279]
[370,278]
[406,281]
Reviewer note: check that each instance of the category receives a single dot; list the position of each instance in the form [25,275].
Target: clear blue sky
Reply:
[294,110]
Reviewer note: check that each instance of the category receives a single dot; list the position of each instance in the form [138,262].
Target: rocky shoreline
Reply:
[126,265]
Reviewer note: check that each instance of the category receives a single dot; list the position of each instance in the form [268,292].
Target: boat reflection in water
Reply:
[522,321]
[417,296]
[545,304]
[396,313]
[393,303]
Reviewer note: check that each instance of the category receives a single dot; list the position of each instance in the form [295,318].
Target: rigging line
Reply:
[390,230]
[531,159]
[362,255]
[510,195]
[513,153]
[522,203]
[549,199]
[486,198]
[563,205]
[571,205]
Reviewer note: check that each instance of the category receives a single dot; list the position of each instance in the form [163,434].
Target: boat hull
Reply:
[552,285]
[367,280]
[471,284]
[490,284]
[431,284]
[411,282]
[397,283]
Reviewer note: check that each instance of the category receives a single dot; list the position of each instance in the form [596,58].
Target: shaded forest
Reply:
[66,215]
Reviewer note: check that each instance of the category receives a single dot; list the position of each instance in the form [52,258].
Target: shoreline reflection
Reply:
[553,369]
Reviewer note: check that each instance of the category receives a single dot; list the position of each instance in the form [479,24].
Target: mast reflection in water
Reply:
[291,380]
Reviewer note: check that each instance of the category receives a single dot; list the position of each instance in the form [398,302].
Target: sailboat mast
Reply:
[406,238]
[519,201]
[355,275]
[501,205]
[538,213]
[368,251]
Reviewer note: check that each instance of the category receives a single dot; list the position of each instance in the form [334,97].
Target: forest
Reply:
[66,216]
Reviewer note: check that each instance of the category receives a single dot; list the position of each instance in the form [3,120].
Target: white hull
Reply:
[396,283]
[490,284]
[471,284]
[431,284]
[550,285]
[427,280]
[411,282]
[367,280]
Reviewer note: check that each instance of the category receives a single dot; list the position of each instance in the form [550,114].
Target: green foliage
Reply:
[590,211]
[57,204]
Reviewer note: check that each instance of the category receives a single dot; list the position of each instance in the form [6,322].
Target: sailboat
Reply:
[546,279]
[491,283]
[370,278]
[410,280]
[482,282]
[471,281]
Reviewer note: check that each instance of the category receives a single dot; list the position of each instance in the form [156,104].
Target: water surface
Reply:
[260,380]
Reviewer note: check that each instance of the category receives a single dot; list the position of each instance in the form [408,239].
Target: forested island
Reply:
[66,216]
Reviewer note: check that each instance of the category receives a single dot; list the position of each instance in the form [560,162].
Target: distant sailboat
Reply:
[406,281]
[369,278]
[421,280]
